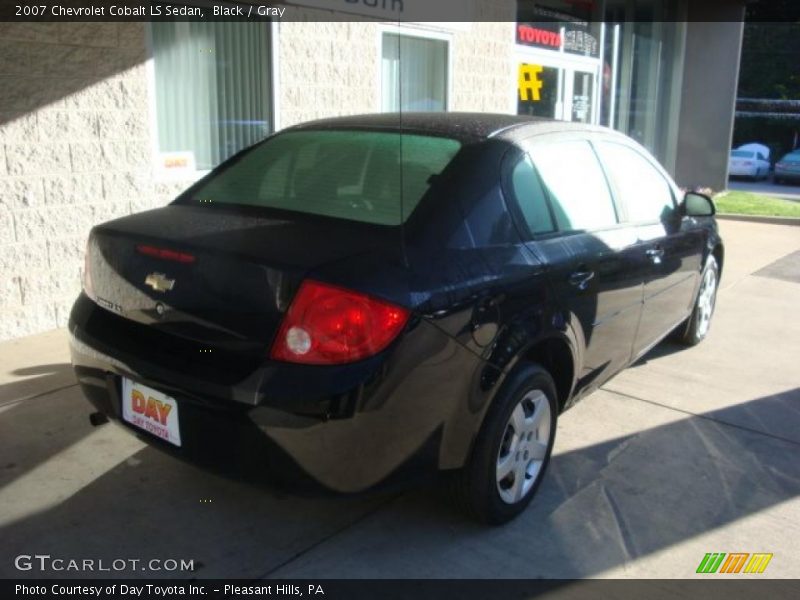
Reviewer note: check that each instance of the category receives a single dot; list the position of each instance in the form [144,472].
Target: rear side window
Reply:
[372,177]
[741,154]
[575,184]
[642,189]
[531,198]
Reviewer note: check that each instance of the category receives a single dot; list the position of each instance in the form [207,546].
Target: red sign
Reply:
[541,37]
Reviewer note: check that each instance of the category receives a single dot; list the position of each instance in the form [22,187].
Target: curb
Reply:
[760,219]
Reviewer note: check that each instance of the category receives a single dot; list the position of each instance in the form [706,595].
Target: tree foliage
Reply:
[769,68]
[770,59]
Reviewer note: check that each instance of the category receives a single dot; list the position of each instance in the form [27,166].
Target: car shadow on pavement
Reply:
[665,348]
[601,506]
[608,504]
[40,416]
[34,381]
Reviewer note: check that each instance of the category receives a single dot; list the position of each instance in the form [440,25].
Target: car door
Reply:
[668,250]
[569,211]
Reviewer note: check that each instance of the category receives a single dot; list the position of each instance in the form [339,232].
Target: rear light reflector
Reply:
[327,325]
[165,254]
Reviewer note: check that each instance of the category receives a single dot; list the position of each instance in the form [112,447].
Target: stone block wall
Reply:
[333,68]
[76,132]
[75,150]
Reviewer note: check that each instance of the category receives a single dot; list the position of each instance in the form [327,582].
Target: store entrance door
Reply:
[581,96]
[566,92]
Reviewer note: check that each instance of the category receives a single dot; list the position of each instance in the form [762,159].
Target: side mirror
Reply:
[697,205]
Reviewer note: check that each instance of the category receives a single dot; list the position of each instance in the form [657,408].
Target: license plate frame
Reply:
[151,411]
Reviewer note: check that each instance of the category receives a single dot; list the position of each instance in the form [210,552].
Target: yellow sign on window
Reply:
[530,83]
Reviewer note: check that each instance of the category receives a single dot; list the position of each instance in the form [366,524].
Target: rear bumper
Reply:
[408,413]
[742,171]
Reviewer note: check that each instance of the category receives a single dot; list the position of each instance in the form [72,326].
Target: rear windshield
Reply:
[372,177]
[741,154]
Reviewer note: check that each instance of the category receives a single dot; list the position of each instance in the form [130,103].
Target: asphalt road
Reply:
[690,451]
[767,188]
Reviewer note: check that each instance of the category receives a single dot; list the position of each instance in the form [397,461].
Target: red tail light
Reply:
[327,325]
[165,254]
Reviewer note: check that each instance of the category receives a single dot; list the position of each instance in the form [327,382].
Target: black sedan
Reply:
[358,300]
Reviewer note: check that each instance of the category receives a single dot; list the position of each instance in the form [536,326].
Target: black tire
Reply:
[693,330]
[476,487]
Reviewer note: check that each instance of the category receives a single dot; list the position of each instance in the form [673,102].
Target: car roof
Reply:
[462,126]
[755,147]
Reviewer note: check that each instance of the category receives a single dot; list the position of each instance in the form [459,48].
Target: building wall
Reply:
[326,68]
[708,98]
[74,151]
[330,68]
[76,129]
[76,133]
[484,66]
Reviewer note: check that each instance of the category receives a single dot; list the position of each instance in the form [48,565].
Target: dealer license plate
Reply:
[150,410]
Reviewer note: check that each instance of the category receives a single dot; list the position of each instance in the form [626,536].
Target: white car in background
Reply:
[750,160]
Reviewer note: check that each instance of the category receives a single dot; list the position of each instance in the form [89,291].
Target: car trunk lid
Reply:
[217,277]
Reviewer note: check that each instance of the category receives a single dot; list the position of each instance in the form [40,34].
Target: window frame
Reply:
[273,61]
[508,163]
[414,31]
[556,138]
[623,213]
[187,197]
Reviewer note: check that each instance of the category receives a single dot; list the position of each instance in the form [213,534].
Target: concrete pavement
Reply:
[689,451]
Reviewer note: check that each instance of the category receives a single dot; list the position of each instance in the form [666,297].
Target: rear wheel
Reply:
[512,450]
[695,329]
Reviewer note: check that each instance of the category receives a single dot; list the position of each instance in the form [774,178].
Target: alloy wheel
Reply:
[524,447]
[705,302]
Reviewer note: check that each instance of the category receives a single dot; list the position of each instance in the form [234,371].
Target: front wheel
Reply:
[696,327]
[512,450]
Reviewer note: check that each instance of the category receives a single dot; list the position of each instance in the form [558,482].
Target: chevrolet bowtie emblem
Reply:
[159,282]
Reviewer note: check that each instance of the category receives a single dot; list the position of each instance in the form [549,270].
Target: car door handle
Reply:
[581,279]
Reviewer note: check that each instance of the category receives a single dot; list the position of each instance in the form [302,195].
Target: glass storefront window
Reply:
[559,49]
[617,63]
[572,26]
[539,90]
[642,71]
[414,73]
[582,96]
[212,88]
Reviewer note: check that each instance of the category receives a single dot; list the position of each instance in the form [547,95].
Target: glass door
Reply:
[581,97]
[560,90]
[541,90]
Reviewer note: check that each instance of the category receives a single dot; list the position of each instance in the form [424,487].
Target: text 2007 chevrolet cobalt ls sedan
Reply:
[356,300]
